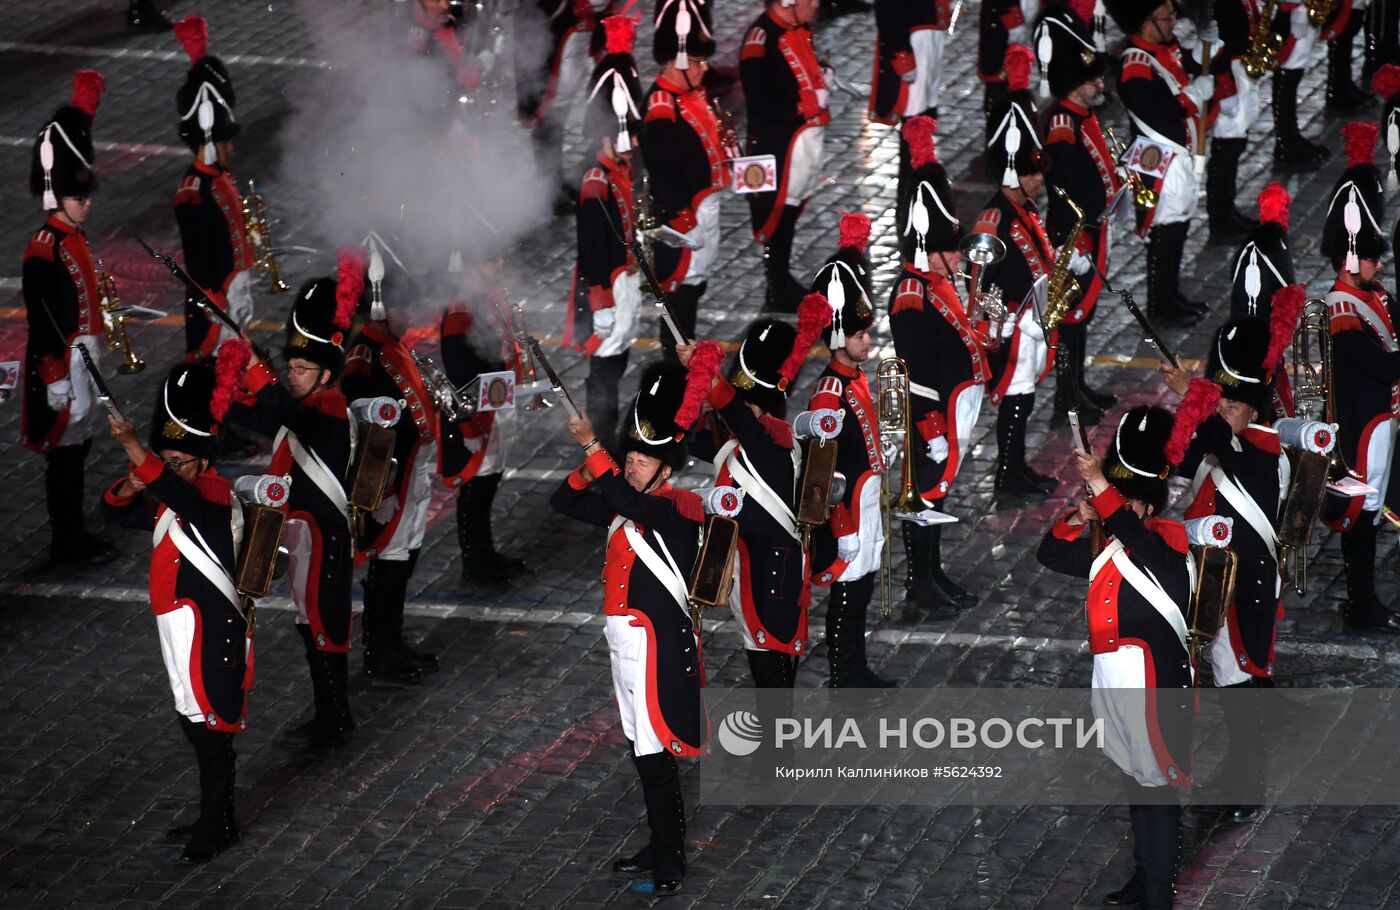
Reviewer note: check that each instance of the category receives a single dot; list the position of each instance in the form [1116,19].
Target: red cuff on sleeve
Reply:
[1108,502]
[52,369]
[684,221]
[148,470]
[600,463]
[259,375]
[113,498]
[576,479]
[721,393]
[932,426]
[1066,531]
[902,62]
[599,298]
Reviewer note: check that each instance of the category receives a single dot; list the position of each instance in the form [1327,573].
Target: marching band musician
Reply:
[309,420]
[771,593]
[205,637]
[686,157]
[1229,134]
[786,94]
[62,307]
[846,552]
[1160,84]
[1016,158]
[607,279]
[1366,372]
[946,357]
[1138,589]
[1081,164]
[472,453]
[1224,441]
[551,44]
[218,254]
[379,364]
[653,530]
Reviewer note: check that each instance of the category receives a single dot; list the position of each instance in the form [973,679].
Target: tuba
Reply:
[1264,44]
[892,404]
[259,231]
[114,323]
[983,250]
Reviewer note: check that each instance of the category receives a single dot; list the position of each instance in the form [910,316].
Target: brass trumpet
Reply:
[1144,196]
[259,231]
[114,323]
[892,403]
[983,250]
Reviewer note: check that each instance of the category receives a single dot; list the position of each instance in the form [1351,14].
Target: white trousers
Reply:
[1240,111]
[706,232]
[413,523]
[1030,353]
[1124,713]
[1380,449]
[871,532]
[627,309]
[927,45]
[1177,200]
[176,630]
[805,163]
[627,651]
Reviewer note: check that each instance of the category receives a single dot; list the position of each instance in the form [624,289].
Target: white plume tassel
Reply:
[918,218]
[621,104]
[206,123]
[1013,145]
[1351,217]
[46,161]
[682,31]
[375,273]
[1044,50]
[836,296]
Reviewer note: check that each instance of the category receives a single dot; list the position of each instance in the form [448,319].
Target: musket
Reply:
[1081,438]
[555,382]
[1148,329]
[654,285]
[104,394]
[201,299]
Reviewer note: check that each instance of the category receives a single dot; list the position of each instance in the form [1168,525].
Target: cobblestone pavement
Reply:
[502,781]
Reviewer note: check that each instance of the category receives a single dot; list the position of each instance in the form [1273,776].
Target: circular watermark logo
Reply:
[740,733]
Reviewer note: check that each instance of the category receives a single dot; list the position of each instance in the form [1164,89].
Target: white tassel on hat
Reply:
[375,274]
[1351,218]
[682,31]
[1392,145]
[1100,26]
[836,297]
[918,219]
[206,123]
[621,105]
[1012,145]
[1044,50]
[1253,282]
[46,161]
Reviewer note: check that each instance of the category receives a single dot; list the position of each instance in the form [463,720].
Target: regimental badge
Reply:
[297,341]
[172,430]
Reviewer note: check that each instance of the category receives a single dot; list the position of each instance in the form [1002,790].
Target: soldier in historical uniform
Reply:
[947,360]
[847,551]
[308,418]
[1139,587]
[607,296]
[1022,359]
[205,636]
[653,529]
[761,457]
[786,93]
[218,254]
[378,364]
[1239,106]
[1299,50]
[62,304]
[478,337]
[1161,85]
[1081,164]
[1366,371]
[686,152]
[1264,263]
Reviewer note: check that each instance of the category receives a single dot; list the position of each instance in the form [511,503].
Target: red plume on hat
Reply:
[705,362]
[1273,205]
[813,315]
[1287,306]
[229,366]
[1018,67]
[1200,401]
[854,231]
[918,132]
[620,34]
[88,86]
[1386,81]
[349,285]
[1359,136]
[193,34]
[1084,9]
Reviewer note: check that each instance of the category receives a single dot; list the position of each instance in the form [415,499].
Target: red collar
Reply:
[58,224]
[675,89]
[1075,108]
[842,370]
[780,23]
[612,165]
[213,170]
[1028,208]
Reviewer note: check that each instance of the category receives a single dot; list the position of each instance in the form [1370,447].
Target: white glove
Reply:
[848,547]
[1079,264]
[603,322]
[1200,90]
[938,448]
[387,507]
[1208,33]
[60,394]
[891,451]
[910,76]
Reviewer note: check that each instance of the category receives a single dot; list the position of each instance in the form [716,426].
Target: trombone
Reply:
[892,403]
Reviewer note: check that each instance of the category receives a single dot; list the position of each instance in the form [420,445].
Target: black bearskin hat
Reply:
[682,32]
[182,419]
[1236,363]
[66,143]
[1342,245]
[845,282]
[206,100]
[649,426]
[1064,48]
[1015,148]
[322,314]
[1131,14]
[757,369]
[615,101]
[1136,463]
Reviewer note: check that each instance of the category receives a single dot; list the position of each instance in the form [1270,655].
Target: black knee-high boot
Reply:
[782,292]
[841,634]
[216,829]
[1344,97]
[1130,894]
[1012,481]
[1165,244]
[1078,355]
[1227,222]
[661,788]
[1363,610]
[71,543]
[1242,780]
[1291,150]
[386,586]
[425,661]
[474,532]
[961,596]
[1069,378]
[1162,856]
[924,589]
[860,611]
[332,724]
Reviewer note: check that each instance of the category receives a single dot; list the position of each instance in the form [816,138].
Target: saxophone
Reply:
[1320,12]
[1063,289]
[1264,44]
